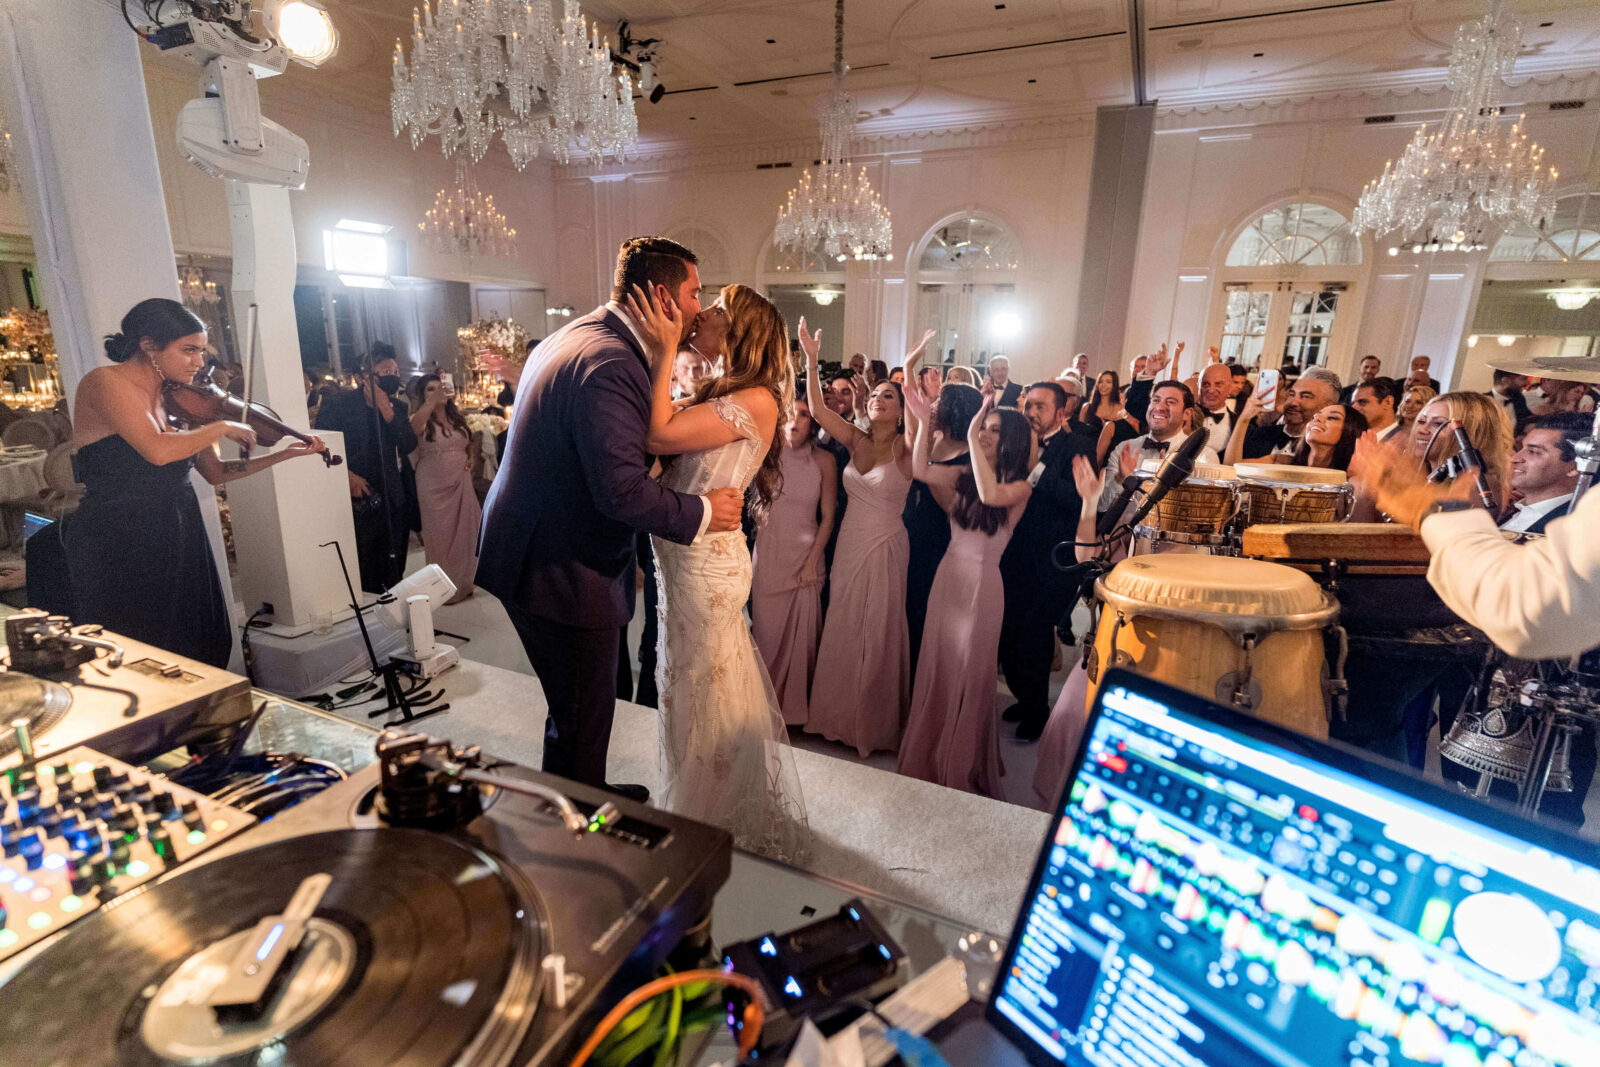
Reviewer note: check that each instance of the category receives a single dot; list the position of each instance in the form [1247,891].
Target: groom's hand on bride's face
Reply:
[727,508]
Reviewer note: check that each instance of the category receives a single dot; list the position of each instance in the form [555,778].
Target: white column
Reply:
[282,516]
[74,90]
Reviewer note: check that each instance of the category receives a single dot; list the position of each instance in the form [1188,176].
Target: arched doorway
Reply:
[1288,289]
[965,268]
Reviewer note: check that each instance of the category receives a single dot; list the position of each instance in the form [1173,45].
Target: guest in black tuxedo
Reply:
[1006,392]
[1371,367]
[1037,594]
[1419,367]
[574,486]
[1507,391]
[1216,412]
[1544,470]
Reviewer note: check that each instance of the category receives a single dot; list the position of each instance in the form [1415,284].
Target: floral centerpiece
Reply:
[489,349]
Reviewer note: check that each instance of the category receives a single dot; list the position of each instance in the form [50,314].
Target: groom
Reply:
[558,525]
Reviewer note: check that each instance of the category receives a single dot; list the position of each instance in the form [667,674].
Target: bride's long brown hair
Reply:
[757,358]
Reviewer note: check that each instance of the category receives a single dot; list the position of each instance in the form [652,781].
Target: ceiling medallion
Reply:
[481,67]
[837,208]
[1457,184]
[464,221]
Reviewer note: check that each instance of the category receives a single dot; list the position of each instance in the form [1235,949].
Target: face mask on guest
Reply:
[389,383]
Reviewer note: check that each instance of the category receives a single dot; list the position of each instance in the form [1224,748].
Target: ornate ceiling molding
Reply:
[1415,102]
[684,156]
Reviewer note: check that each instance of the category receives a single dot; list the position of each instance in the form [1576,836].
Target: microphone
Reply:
[1472,461]
[1108,521]
[1178,466]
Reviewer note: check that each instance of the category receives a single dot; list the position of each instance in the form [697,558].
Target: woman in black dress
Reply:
[137,552]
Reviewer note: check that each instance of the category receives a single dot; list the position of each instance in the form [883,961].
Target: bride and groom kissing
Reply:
[593,406]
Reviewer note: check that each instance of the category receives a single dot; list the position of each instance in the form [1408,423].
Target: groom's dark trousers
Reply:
[557,546]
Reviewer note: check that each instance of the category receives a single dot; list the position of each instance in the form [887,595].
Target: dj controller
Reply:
[436,907]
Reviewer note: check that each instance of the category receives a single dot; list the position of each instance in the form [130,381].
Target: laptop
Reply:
[1215,891]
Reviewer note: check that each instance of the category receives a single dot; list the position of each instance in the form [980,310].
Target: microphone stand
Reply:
[398,698]
[1588,457]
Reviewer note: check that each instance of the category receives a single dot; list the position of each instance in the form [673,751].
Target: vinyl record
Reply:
[425,953]
[42,703]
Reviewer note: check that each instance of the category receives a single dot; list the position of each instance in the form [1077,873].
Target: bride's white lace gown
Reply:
[724,749]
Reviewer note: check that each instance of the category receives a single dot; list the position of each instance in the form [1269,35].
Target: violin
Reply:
[202,401]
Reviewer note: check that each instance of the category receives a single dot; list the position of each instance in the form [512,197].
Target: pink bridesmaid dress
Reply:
[863,677]
[1058,745]
[950,731]
[450,510]
[785,613]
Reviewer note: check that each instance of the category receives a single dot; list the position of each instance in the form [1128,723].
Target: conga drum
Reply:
[1197,512]
[1242,632]
[1278,493]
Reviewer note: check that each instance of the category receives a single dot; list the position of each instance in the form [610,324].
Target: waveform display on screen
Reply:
[1305,930]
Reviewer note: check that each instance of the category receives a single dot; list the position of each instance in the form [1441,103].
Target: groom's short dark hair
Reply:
[647,261]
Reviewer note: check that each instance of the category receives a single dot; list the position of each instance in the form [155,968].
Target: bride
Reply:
[722,735]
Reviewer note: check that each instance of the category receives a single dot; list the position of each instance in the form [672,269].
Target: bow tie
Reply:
[1215,416]
[1155,446]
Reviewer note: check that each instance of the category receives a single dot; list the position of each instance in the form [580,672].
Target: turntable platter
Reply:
[429,953]
[42,703]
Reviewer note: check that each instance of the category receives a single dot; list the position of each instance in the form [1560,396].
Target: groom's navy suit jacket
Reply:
[574,484]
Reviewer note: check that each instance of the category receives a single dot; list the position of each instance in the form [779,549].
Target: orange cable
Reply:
[754,1016]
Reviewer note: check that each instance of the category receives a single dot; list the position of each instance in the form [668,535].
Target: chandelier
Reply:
[464,221]
[837,208]
[1454,185]
[196,291]
[481,67]
[1573,299]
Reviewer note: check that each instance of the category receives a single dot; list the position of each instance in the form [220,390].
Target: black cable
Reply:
[129,20]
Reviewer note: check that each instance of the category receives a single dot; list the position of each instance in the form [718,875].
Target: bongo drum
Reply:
[1242,632]
[1277,493]
[1197,511]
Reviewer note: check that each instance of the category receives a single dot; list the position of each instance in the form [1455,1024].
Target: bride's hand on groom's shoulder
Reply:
[660,325]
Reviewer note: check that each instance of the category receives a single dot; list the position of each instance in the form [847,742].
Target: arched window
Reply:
[969,244]
[1572,232]
[1308,234]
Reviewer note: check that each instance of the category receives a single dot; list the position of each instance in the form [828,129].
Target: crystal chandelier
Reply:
[196,291]
[481,67]
[1454,185]
[464,221]
[837,208]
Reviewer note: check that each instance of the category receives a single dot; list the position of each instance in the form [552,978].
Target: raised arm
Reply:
[1252,410]
[838,429]
[941,479]
[992,491]
[1090,484]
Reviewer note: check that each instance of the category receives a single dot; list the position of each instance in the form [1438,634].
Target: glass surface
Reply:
[1296,233]
[1284,911]
[970,244]
[288,726]
[1244,327]
[1571,232]
[812,261]
[1310,326]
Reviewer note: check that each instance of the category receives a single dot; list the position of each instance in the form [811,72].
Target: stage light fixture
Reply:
[1006,325]
[304,28]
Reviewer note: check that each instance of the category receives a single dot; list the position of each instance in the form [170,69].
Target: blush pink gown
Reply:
[1058,745]
[950,731]
[863,677]
[450,509]
[786,615]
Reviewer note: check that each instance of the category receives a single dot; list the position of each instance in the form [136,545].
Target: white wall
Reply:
[1214,169]
[1034,178]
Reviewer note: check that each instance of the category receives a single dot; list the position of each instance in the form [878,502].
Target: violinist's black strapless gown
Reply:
[140,562]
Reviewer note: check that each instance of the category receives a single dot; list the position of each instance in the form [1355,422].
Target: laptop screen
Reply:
[1211,898]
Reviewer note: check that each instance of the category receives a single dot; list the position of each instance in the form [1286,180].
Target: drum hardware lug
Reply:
[1335,688]
[1119,658]
[1238,686]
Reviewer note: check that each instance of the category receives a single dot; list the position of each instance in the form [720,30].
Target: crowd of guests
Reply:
[908,555]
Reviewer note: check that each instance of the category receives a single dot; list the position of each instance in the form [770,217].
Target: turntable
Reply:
[67,685]
[329,935]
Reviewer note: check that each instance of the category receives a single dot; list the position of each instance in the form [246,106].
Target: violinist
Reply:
[137,552]
[376,425]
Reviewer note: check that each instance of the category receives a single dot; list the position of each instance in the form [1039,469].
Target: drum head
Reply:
[1218,585]
[1283,472]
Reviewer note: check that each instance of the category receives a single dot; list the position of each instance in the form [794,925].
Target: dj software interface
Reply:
[1212,901]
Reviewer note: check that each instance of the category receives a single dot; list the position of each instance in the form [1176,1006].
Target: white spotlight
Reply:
[1006,325]
[305,30]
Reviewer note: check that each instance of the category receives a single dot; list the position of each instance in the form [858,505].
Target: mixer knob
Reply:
[62,772]
[119,852]
[165,803]
[25,780]
[191,815]
[102,777]
[71,821]
[126,817]
[82,879]
[161,841]
[28,801]
[118,778]
[50,820]
[102,804]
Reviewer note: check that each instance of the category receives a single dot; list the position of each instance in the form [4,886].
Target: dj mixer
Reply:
[85,828]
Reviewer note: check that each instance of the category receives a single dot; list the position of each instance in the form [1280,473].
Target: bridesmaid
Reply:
[861,695]
[928,527]
[786,588]
[446,453]
[950,731]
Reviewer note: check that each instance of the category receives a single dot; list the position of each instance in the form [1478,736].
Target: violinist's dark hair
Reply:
[163,321]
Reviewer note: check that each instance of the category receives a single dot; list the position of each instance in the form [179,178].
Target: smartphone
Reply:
[447,382]
[1267,388]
